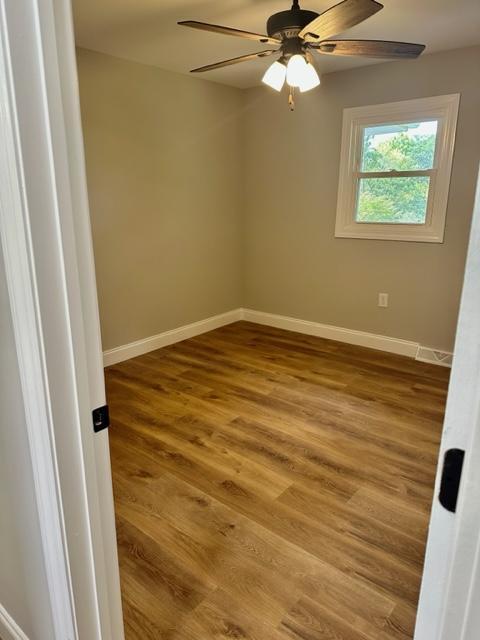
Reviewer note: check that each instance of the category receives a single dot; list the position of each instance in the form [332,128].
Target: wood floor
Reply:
[270,485]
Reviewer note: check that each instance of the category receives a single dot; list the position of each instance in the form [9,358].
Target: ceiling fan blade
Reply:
[370,48]
[339,18]
[227,63]
[228,31]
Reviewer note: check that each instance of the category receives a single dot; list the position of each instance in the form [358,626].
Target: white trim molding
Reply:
[46,239]
[450,593]
[443,109]
[330,332]
[139,347]
[9,629]
[15,236]
[351,336]
[88,499]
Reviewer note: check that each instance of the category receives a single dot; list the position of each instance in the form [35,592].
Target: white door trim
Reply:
[65,119]
[451,562]
[19,271]
[50,275]
[9,628]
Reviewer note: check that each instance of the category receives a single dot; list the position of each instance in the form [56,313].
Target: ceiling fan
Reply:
[299,32]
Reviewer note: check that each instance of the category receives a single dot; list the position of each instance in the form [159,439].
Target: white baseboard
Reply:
[9,629]
[138,348]
[350,336]
[330,332]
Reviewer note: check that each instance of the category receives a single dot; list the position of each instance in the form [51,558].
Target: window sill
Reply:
[371,231]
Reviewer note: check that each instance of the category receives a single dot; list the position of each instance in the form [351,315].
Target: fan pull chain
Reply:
[291,99]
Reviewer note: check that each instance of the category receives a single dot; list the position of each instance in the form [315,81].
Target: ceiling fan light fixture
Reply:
[301,33]
[275,75]
[296,70]
[310,78]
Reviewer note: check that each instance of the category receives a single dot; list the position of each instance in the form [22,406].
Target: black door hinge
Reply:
[451,476]
[101,418]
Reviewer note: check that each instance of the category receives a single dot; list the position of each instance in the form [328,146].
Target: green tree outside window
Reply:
[396,199]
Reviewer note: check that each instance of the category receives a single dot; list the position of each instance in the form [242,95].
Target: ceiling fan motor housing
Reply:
[288,24]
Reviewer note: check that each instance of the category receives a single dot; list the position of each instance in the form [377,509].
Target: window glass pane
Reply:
[393,200]
[399,147]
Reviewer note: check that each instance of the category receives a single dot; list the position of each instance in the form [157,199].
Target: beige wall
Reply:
[294,265]
[205,198]
[164,182]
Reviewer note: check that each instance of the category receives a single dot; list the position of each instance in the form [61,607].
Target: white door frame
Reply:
[452,563]
[46,239]
[18,259]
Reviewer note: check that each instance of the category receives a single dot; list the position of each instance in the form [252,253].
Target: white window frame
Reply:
[355,120]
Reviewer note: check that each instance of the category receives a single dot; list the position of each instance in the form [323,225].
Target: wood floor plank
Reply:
[215,541]
[400,624]
[310,620]
[393,510]
[354,523]
[314,457]
[270,485]
[217,461]
[219,617]
[319,538]
[167,587]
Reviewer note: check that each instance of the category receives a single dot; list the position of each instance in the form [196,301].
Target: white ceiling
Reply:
[146,31]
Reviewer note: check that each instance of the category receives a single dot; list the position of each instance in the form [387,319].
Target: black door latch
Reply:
[101,418]
[451,476]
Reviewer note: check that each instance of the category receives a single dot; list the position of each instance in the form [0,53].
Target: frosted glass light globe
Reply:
[310,78]
[295,70]
[275,76]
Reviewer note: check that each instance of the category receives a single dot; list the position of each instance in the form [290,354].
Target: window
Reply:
[395,169]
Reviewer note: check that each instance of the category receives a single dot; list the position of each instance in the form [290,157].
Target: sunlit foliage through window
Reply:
[391,150]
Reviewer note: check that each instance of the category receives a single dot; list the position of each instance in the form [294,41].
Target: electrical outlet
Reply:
[383,299]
